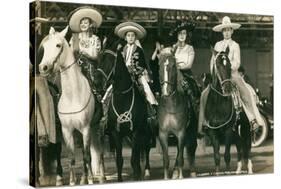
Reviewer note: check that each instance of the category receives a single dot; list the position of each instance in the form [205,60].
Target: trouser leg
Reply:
[148,93]
[203,101]
[248,102]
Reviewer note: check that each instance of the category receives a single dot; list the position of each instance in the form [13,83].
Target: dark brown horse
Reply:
[222,117]
[126,114]
[175,117]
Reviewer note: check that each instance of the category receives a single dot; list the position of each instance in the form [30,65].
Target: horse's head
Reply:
[167,72]
[107,61]
[222,71]
[54,54]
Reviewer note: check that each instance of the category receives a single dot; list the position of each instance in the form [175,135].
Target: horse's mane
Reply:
[112,42]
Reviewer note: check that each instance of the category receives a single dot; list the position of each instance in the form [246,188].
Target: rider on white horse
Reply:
[249,105]
[85,44]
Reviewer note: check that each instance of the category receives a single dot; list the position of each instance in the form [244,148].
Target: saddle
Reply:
[87,68]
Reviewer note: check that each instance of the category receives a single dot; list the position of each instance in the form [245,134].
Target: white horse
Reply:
[76,105]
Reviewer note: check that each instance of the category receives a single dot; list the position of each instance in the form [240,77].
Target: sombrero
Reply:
[82,12]
[226,23]
[125,27]
[182,25]
[39,19]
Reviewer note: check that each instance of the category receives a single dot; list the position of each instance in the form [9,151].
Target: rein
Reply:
[107,77]
[76,112]
[221,94]
[222,82]
[223,124]
[58,56]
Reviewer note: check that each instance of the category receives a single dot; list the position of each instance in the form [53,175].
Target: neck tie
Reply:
[129,54]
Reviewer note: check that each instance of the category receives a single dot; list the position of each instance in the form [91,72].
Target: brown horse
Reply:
[223,118]
[175,117]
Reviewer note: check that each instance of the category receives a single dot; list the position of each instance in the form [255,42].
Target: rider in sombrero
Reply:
[86,45]
[227,28]
[133,56]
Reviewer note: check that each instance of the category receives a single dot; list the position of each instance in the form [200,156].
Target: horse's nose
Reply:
[45,67]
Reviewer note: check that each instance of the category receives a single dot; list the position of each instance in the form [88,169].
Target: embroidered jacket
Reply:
[134,58]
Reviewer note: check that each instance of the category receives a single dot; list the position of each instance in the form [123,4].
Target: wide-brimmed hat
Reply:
[226,23]
[39,19]
[84,12]
[125,27]
[189,26]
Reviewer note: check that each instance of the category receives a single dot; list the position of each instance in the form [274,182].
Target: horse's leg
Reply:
[147,145]
[248,157]
[37,156]
[102,172]
[96,149]
[163,137]
[246,146]
[69,140]
[84,176]
[87,155]
[136,152]
[180,160]
[102,177]
[147,151]
[190,150]
[228,140]
[119,157]
[41,163]
[239,152]
[216,147]
[59,181]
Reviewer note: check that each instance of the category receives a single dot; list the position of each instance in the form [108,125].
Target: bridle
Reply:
[222,82]
[107,77]
[168,83]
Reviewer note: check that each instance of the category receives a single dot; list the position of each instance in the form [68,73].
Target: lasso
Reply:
[126,116]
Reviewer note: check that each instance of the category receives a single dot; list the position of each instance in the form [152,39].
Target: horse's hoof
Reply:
[101,179]
[59,181]
[91,181]
[193,174]
[37,184]
[250,167]
[72,183]
[239,168]
[146,174]
[175,174]
[83,180]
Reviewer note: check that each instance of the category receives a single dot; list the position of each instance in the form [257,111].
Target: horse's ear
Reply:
[64,31]
[227,50]
[214,52]
[104,41]
[52,31]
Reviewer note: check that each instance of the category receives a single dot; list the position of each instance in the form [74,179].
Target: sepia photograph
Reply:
[131,94]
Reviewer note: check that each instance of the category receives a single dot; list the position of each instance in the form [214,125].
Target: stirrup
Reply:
[254,125]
